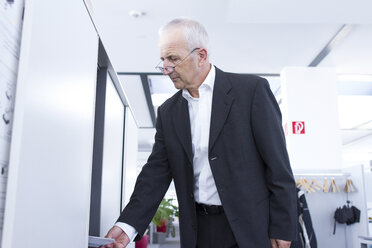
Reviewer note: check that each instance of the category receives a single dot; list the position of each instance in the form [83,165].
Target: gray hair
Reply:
[195,33]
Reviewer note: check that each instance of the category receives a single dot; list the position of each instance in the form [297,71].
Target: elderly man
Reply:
[220,139]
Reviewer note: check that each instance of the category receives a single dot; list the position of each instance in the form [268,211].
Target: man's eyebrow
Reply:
[168,56]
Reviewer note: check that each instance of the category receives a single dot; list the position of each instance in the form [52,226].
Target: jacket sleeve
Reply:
[151,186]
[270,142]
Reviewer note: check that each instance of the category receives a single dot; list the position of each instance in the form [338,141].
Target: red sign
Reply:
[298,127]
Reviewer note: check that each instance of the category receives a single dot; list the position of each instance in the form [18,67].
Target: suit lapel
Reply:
[221,104]
[181,122]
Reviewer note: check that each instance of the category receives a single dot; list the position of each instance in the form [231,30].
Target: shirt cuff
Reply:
[128,229]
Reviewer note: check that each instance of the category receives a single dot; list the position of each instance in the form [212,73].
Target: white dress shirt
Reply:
[200,109]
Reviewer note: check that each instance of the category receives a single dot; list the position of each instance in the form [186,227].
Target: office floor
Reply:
[167,244]
[170,244]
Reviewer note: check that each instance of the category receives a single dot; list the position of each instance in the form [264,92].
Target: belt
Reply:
[208,209]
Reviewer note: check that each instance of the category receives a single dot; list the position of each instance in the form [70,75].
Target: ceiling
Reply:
[246,36]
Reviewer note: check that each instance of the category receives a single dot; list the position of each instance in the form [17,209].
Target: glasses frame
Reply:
[169,68]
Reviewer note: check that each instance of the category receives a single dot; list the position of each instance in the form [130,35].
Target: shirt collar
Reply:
[207,84]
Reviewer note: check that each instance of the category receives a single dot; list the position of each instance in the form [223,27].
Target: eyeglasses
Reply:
[169,68]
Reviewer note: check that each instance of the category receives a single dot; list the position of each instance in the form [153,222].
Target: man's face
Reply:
[174,51]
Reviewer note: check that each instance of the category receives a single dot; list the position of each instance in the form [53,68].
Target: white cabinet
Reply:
[50,163]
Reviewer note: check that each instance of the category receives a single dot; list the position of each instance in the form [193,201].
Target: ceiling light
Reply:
[136,13]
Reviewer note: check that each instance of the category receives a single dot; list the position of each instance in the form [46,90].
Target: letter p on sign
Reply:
[298,127]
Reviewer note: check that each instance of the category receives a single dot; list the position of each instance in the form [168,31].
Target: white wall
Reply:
[130,155]
[11,22]
[309,95]
[112,158]
[358,199]
[322,207]
[51,152]
[368,186]
[130,158]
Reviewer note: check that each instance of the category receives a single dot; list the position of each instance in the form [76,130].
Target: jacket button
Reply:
[192,196]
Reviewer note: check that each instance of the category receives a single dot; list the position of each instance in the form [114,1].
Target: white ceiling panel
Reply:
[133,88]
[351,137]
[355,88]
[250,46]
[252,36]
[267,48]
[354,54]
[360,142]
[294,11]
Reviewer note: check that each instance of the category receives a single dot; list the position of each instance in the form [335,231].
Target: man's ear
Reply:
[202,56]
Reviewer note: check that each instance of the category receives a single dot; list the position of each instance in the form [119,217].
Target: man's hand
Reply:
[121,238]
[277,243]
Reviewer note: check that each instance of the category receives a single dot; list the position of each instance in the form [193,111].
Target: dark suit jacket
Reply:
[248,159]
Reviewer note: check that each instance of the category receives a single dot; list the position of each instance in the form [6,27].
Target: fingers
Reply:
[273,243]
[119,245]
[114,245]
[122,241]
[277,243]
[114,232]
[283,243]
[121,238]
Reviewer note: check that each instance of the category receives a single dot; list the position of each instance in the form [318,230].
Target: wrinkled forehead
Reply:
[173,39]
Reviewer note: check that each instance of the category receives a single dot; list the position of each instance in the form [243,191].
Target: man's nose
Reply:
[165,71]
[166,65]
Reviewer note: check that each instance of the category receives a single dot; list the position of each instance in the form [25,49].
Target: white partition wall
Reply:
[310,116]
[309,108]
[130,155]
[130,158]
[51,152]
[112,158]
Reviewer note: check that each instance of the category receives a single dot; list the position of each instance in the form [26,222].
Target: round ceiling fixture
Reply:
[136,13]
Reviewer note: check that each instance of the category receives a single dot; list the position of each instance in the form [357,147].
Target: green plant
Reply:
[165,212]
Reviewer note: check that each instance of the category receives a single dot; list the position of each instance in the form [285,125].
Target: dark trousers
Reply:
[214,231]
